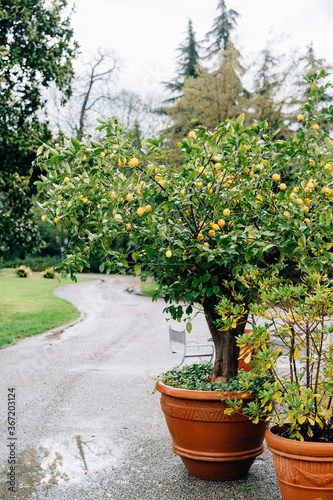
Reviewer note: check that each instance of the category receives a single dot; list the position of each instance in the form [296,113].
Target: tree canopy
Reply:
[36,48]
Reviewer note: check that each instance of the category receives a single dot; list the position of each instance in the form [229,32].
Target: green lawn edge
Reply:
[28,306]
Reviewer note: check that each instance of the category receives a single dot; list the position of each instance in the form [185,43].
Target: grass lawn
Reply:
[27,306]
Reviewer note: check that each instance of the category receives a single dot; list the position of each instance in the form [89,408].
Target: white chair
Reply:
[188,348]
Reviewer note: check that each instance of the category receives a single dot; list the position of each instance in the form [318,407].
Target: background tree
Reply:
[187,62]
[36,48]
[209,99]
[219,35]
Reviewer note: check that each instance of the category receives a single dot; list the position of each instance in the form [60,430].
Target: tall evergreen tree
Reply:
[36,48]
[219,35]
[187,62]
[266,100]
[210,98]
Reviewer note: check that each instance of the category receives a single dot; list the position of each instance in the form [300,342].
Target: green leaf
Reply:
[143,143]
[40,150]
[281,195]
[75,142]
[137,269]
[328,142]
[204,278]
[188,327]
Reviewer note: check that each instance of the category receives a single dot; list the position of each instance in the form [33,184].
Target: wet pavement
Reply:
[78,417]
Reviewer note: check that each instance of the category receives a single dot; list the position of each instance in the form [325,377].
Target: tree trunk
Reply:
[226,350]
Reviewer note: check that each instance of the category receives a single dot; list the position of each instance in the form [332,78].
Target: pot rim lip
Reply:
[203,395]
[280,443]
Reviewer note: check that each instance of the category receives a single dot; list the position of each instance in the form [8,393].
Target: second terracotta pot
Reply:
[212,445]
[304,470]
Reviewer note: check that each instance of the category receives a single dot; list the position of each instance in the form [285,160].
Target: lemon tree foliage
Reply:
[36,49]
[206,229]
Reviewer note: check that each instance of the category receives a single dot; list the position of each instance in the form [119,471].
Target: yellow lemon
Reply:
[66,179]
[84,158]
[300,118]
[246,170]
[295,190]
[307,201]
[221,222]
[121,163]
[44,218]
[102,154]
[206,244]
[217,158]
[315,126]
[226,212]
[56,220]
[276,177]
[250,239]
[200,236]
[217,166]
[307,220]
[216,227]
[283,186]
[112,195]
[252,174]
[306,209]
[299,201]
[134,162]
[310,185]
[140,211]
[199,184]
[286,214]
[211,233]
[148,208]
[168,254]
[328,167]
[118,217]
[129,197]
[192,134]
[128,227]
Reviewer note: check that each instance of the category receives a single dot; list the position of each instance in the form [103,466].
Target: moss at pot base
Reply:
[304,470]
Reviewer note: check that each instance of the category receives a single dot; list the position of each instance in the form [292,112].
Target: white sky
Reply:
[146,33]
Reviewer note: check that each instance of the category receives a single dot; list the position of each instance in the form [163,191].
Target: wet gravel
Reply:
[88,425]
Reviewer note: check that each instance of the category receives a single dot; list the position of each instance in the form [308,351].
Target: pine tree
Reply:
[219,35]
[210,98]
[187,62]
[266,100]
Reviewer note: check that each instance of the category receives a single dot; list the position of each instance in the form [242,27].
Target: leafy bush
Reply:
[23,271]
[49,273]
[37,264]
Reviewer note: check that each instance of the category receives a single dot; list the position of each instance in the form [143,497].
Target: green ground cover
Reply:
[148,288]
[28,307]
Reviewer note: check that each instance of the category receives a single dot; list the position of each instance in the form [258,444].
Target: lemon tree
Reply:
[215,225]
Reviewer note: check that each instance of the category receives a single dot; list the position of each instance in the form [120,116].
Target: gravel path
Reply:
[87,424]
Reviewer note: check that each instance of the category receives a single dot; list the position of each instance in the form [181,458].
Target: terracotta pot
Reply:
[304,470]
[212,445]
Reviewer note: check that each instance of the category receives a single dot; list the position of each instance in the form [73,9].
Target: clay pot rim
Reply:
[203,395]
[286,445]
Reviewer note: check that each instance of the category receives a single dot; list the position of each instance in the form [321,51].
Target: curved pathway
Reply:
[87,425]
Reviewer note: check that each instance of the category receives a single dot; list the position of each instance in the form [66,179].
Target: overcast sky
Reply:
[146,33]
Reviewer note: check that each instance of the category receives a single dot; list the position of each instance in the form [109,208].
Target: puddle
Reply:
[51,464]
